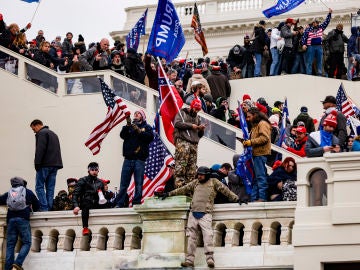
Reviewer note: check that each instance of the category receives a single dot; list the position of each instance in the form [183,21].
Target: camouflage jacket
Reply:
[212,186]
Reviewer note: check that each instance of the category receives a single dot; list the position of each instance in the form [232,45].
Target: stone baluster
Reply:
[128,241]
[61,242]
[35,243]
[284,237]
[44,243]
[94,242]
[265,240]
[113,241]
[232,238]
[247,236]
[52,243]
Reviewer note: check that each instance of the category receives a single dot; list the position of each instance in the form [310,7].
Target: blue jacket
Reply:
[136,141]
[32,205]
[351,46]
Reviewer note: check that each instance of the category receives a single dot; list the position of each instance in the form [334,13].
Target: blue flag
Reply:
[133,38]
[245,166]
[167,37]
[31,1]
[281,7]
[285,116]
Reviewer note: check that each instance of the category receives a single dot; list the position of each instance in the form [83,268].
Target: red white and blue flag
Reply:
[156,171]
[170,104]
[117,112]
[344,104]
[245,166]
[133,38]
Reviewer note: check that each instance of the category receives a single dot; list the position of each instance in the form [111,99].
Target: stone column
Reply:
[163,241]
[232,238]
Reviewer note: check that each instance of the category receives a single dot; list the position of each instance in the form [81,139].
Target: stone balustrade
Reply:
[153,235]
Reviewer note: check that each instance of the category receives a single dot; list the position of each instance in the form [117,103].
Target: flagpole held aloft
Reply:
[37,7]
[172,94]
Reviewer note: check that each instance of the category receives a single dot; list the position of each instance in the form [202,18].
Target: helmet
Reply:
[203,170]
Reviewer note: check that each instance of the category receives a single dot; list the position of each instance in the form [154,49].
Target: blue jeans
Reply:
[260,184]
[299,64]
[17,227]
[258,57]
[129,168]
[46,176]
[274,68]
[314,52]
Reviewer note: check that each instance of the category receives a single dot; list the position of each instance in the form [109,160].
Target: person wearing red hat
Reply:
[108,194]
[300,142]
[319,143]
[187,134]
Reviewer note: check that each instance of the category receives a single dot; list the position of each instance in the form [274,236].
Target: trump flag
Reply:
[167,37]
[281,7]
[133,38]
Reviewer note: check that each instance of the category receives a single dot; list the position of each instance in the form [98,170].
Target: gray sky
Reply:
[93,19]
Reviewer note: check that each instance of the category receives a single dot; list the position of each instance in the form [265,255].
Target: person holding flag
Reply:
[137,136]
[260,141]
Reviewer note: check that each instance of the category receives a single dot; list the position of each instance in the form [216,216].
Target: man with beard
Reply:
[337,40]
[86,195]
[204,189]
[248,64]
[187,133]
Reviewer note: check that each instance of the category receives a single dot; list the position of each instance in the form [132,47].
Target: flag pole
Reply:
[172,94]
[35,12]
[323,3]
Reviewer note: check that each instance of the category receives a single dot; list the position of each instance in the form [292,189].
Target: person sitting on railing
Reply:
[235,60]
[86,195]
[282,181]
[95,58]
[300,142]
[318,143]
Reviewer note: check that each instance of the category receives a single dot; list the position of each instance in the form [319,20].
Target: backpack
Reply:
[140,72]
[16,199]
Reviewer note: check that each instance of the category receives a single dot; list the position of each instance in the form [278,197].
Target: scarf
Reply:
[325,138]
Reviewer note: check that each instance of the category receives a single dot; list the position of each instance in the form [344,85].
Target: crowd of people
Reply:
[204,86]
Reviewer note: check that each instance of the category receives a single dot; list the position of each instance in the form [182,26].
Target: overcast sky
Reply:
[93,19]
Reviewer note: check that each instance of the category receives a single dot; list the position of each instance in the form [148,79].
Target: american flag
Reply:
[198,32]
[171,103]
[343,103]
[156,171]
[117,112]
[245,166]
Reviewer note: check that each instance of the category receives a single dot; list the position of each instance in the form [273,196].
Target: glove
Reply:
[136,128]
[128,120]
[163,196]
[247,143]
[1,17]
[240,201]
[28,26]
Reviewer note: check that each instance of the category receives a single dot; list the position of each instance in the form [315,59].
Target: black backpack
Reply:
[140,72]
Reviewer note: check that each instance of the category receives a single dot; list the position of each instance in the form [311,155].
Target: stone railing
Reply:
[153,235]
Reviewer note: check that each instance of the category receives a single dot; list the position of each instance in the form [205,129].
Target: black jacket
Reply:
[136,141]
[47,153]
[86,190]
[32,205]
